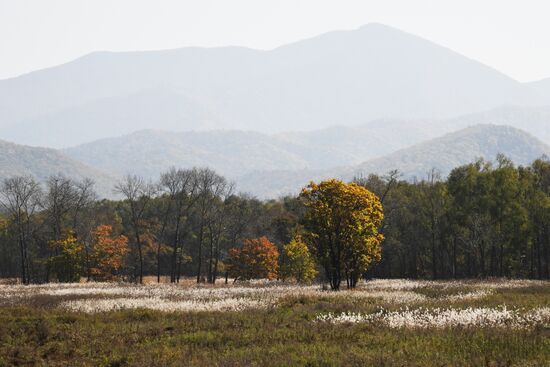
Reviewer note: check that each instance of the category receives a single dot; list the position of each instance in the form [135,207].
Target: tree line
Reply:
[185,224]
[483,220]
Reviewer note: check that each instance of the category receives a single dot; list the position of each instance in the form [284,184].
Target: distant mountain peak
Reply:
[344,77]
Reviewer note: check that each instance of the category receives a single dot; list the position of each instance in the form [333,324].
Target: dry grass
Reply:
[263,323]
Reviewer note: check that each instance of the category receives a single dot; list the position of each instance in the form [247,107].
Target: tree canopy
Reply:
[342,225]
[257,259]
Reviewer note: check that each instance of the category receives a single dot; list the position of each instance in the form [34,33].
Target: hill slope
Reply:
[533,120]
[17,160]
[339,78]
[234,153]
[150,152]
[458,148]
[443,153]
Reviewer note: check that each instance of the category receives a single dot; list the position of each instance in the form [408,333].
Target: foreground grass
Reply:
[280,336]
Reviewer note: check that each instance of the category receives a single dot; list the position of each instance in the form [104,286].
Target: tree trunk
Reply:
[158,262]
[211,258]
[23,251]
[434,254]
[199,266]
[454,257]
[216,260]
[482,258]
[140,253]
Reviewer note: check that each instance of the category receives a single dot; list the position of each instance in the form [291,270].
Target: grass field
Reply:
[382,323]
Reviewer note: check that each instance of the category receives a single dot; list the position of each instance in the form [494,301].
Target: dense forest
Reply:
[483,220]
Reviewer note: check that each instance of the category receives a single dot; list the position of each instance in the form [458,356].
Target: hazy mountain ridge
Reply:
[415,162]
[20,160]
[237,153]
[459,148]
[339,78]
[271,164]
[543,88]
[94,119]
[150,152]
[230,152]
[533,120]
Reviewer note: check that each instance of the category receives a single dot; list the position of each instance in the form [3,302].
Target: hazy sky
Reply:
[512,36]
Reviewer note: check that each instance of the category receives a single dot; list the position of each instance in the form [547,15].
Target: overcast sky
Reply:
[512,36]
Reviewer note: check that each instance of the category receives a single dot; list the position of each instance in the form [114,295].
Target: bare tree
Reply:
[61,198]
[138,194]
[181,187]
[210,187]
[434,195]
[217,227]
[83,219]
[228,225]
[20,197]
[64,202]
[85,197]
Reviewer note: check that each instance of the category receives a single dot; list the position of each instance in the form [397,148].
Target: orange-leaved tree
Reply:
[257,259]
[107,253]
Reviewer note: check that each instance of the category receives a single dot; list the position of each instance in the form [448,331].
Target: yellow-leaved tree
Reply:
[66,263]
[342,222]
[298,262]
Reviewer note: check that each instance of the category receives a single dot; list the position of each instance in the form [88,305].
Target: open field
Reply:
[383,322]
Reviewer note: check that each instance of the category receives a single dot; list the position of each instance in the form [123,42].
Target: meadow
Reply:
[269,323]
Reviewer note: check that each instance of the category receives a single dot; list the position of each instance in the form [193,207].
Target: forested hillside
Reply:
[41,163]
[458,148]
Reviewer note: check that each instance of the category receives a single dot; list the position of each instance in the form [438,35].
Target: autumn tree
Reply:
[257,259]
[107,253]
[66,265]
[341,223]
[298,264]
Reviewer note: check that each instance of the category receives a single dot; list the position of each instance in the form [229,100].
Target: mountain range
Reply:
[339,78]
[260,164]
[342,104]
[237,153]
